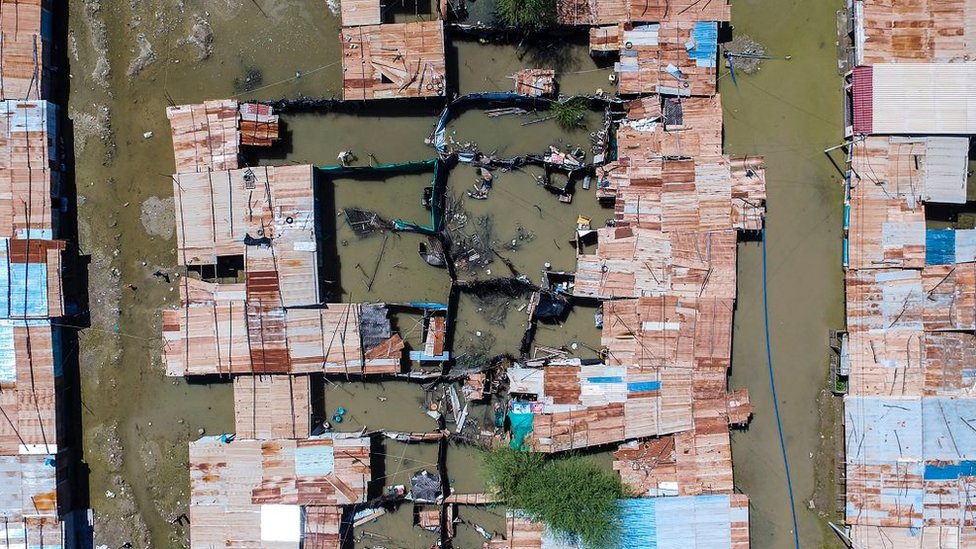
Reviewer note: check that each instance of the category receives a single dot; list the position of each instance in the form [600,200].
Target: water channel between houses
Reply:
[138,422]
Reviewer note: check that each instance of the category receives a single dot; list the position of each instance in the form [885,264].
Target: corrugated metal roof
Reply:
[886,429]
[23,287]
[930,98]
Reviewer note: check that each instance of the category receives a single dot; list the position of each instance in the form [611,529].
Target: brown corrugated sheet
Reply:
[360,12]
[206,136]
[217,210]
[217,332]
[393,60]
[609,12]
[272,407]
[229,483]
[29,402]
[25,56]
[535,82]
[917,31]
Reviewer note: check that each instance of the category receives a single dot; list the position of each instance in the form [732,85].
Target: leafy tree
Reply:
[573,495]
[527,14]
[569,113]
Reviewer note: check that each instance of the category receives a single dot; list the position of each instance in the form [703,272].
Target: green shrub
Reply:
[569,114]
[573,495]
[527,14]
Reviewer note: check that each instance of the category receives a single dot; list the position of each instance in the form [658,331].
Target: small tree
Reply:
[573,495]
[527,14]
[569,114]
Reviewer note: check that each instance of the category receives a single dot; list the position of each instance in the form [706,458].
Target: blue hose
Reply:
[772,385]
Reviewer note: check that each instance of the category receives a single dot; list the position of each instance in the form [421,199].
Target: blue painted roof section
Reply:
[314,461]
[605,379]
[421,356]
[705,50]
[684,522]
[940,247]
[639,386]
[23,287]
[950,472]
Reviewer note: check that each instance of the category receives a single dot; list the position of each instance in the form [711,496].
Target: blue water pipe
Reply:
[772,385]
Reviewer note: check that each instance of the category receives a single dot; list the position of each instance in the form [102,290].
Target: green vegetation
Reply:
[573,495]
[527,14]
[569,114]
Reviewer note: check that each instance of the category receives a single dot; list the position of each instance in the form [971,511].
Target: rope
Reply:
[772,385]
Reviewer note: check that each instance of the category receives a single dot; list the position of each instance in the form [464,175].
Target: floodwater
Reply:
[789,112]
[137,422]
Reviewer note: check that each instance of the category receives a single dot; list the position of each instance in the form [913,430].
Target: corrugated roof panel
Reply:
[882,430]
[314,460]
[705,50]
[947,425]
[946,164]
[940,247]
[930,98]
[965,245]
[8,358]
[28,290]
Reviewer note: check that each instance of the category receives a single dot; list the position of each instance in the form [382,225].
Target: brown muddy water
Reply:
[130,59]
[790,112]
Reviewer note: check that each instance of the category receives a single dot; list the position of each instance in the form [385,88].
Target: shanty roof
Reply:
[718,521]
[611,12]
[927,168]
[920,31]
[936,298]
[535,82]
[914,98]
[666,369]
[28,152]
[393,61]
[30,278]
[636,261]
[360,12]
[886,232]
[206,136]
[701,194]
[602,404]
[250,493]
[677,58]
[217,331]
[272,407]
[26,27]
[909,363]
[909,460]
[29,362]
[658,126]
[237,212]
[28,502]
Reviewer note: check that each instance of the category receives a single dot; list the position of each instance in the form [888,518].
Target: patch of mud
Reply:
[119,523]
[145,58]
[88,126]
[202,36]
[99,39]
[158,216]
[747,53]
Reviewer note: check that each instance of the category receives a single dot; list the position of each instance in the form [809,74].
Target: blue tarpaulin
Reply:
[521,427]
[940,247]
